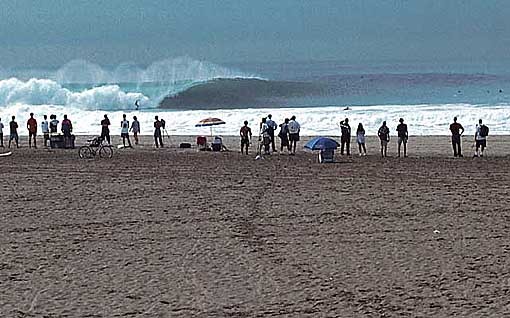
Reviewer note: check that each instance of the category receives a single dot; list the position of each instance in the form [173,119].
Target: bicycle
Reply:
[95,146]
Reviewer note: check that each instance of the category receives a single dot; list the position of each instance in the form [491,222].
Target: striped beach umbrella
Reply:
[210,122]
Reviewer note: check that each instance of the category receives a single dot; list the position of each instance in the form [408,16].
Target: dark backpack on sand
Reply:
[484,131]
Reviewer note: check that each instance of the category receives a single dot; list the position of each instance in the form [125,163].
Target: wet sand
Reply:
[177,233]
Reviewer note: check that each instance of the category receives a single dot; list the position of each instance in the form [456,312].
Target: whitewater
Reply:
[85,92]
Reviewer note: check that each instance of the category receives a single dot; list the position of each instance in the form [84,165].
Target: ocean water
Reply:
[320,94]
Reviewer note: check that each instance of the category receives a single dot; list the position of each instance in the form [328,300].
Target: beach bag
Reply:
[484,131]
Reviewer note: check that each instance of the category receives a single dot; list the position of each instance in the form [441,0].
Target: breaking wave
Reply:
[49,92]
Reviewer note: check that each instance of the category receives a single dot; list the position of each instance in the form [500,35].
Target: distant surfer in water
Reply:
[137,104]
[347,108]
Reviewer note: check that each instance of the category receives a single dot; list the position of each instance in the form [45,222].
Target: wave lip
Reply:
[228,93]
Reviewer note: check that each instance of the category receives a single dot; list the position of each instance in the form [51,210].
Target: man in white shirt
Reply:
[45,128]
[480,138]
[1,133]
[294,129]
[271,128]
[124,131]
[266,137]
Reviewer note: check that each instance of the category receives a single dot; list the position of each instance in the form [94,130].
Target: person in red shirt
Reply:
[32,130]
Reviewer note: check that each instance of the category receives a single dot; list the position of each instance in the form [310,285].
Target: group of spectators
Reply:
[47,128]
[290,129]
[456,129]
[288,134]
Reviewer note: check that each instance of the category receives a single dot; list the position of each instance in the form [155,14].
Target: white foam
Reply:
[48,92]
[421,119]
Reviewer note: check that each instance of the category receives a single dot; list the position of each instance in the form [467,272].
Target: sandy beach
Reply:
[178,233]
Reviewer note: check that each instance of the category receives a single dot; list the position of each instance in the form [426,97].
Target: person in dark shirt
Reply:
[384,136]
[246,135]
[457,131]
[53,124]
[157,132]
[402,136]
[345,139]
[105,130]
[13,127]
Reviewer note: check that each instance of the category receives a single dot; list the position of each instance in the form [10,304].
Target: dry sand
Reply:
[179,233]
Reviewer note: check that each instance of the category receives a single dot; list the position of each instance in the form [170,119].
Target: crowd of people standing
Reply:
[290,129]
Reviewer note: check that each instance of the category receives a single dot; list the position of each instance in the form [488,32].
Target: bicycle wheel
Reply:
[85,152]
[106,152]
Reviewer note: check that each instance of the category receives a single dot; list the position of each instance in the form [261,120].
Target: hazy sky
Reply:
[52,32]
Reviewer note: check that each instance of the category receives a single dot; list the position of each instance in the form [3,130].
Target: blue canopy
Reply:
[322,143]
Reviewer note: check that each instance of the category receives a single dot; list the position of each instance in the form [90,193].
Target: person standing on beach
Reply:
[105,130]
[384,136]
[481,134]
[124,131]
[67,128]
[271,127]
[284,136]
[32,131]
[246,135]
[53,124]
[402,136]
[345,139]
[157,132]
[45,128]
[294,129]
[264,134]
[360,138]
[13,132]
[1,134]
[135,128]
[457,131]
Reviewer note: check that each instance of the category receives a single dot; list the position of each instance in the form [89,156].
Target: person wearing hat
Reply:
[402,136]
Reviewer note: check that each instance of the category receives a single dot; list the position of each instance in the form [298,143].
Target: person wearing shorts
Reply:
[402,136]
[13,132]
[135,128]
[32,130]
[294,129]
[480,139]
[384,136]
[245,133]
[124,131]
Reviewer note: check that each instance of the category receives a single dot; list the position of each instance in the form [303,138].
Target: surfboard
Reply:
[5,154]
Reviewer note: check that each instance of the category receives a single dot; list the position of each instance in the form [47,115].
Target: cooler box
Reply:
[57,141]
